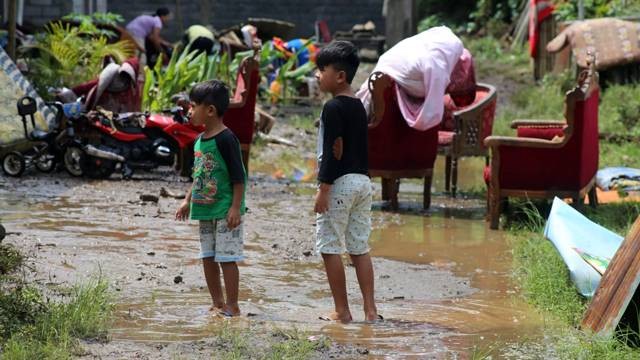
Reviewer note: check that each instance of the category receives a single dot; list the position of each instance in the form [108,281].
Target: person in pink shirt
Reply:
[148,27]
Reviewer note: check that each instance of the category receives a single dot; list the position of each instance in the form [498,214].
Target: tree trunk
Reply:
[401,20]
[12,29]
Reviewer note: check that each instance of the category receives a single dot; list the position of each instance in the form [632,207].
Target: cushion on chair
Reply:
[541,132]
[462,85]
[486,173]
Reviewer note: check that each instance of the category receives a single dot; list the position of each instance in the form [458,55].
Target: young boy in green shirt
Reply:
[216,198]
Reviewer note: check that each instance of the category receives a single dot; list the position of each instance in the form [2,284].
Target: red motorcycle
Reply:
[131,141]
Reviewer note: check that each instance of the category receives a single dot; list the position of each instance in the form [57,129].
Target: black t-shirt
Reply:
[229,148]
[342,117]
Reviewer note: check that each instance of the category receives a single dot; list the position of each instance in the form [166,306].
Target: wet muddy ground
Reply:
[442,277]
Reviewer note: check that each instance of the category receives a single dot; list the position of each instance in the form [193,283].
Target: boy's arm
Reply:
[183,210]
[230,150]
[331,155]
[233,216]
[322,198]
[331,144]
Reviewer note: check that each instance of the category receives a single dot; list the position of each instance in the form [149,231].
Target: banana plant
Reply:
[182,72]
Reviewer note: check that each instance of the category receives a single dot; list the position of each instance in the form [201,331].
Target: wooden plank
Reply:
[544,62]
[617,286]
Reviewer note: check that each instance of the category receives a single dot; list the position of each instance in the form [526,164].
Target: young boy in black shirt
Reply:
[343,201]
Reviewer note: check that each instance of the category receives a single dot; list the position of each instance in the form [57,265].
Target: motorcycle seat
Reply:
[40,135]
[131,130]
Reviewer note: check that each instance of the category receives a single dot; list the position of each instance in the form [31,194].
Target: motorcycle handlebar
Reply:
[177,112]
[59,109]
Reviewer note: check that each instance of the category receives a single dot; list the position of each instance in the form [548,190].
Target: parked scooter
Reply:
[48,148]
[133,141]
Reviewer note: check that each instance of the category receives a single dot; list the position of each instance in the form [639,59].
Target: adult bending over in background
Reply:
[148,27]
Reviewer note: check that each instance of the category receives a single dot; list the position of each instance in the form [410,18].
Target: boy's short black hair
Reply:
[211,92]
[163,11]
[342,55]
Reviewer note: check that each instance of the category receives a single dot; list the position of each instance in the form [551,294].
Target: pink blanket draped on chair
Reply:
[422,68]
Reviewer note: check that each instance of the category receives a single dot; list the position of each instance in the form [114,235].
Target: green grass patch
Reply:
[624,154]
[54,331]
[306,123]
[575,344]
[620,110]
[544,277]
[491,56]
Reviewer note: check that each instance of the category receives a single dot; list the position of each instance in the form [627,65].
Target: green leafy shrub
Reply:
[66,55]
[620,110]
[568,9]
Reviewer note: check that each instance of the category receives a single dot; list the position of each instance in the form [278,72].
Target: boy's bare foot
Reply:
[372,317]
[335,316]
[230,310]
[215,307]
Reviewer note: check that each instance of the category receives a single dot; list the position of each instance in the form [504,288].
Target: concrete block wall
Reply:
[339,14]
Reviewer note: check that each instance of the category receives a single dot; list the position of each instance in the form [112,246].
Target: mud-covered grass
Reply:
[274,344]
[545,282]
[10,259]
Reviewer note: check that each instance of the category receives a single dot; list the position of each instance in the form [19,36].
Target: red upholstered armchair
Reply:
[240,116]
[543,164]
[395,149]
[471,125]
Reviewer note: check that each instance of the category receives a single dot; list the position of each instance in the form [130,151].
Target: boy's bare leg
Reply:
[337,283]
[231,285]
[364,272]
[212,276]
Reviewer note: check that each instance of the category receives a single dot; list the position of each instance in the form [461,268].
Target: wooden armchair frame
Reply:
[587,84]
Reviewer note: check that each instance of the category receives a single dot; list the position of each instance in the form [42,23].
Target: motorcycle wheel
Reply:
[45,163]
[98,168]
[186,163]
[72,160]
[13,164]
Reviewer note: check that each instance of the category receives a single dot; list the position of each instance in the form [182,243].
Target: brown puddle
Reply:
[293,294]
[468,248]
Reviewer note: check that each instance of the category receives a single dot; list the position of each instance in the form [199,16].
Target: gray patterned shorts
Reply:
[348,218]
[217,241]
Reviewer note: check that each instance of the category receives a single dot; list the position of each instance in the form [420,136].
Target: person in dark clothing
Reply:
[198,38]
[343,201]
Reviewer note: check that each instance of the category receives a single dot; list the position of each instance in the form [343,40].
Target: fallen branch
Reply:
[265,121]
[277,140]
[166,193]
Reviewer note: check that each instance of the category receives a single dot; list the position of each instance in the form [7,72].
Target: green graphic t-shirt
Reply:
[217,166]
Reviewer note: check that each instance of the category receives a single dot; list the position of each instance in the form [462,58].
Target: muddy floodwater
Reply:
[442,277]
